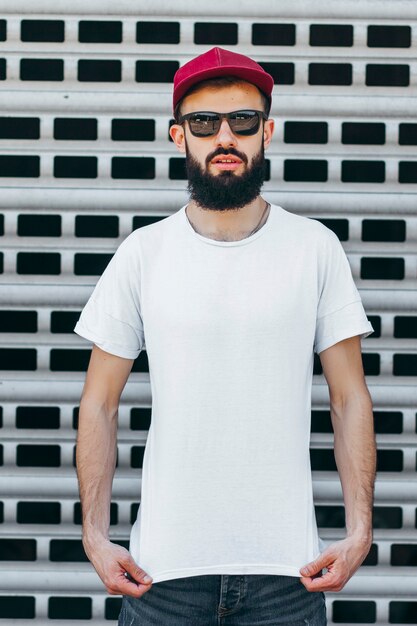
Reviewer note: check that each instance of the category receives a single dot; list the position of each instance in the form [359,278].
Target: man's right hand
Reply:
[112,562]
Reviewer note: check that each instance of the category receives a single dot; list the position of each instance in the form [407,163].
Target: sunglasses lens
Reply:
[244,122]
[204,124]
[241,123]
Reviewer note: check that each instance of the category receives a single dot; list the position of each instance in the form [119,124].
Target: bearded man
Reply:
[231,296]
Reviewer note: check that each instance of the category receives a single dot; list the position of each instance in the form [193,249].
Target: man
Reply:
[230,296]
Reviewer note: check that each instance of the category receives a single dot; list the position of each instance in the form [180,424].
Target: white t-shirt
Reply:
[230,330]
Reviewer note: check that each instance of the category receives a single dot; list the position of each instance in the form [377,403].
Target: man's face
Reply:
[211,183]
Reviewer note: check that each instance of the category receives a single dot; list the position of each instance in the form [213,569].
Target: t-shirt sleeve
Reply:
[112,318]
[340,313]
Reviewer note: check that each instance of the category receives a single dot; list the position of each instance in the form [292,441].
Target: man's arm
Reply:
[355,454]
[96,460]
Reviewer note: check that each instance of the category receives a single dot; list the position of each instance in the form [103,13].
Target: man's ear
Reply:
[178,137]
[269,126]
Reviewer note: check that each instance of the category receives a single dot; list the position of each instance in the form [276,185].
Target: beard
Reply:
[226,190]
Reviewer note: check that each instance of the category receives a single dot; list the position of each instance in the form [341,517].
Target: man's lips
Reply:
[226,162]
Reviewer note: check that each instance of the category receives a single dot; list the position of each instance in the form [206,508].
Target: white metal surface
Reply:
[382,583]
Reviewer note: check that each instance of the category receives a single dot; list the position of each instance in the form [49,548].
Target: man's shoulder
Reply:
[159,226]
[151,233]
[303,226]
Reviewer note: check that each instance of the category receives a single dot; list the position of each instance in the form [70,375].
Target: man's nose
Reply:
[225,136]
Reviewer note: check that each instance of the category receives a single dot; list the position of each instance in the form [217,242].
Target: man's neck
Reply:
[228,224]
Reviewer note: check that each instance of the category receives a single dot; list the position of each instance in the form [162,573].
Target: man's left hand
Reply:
[341,559]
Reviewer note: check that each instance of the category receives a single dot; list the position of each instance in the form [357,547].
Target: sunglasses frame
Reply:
[222,116]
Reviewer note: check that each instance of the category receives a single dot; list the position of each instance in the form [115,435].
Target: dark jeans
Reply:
[225,600]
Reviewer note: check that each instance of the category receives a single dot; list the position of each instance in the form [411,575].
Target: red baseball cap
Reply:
[220,62]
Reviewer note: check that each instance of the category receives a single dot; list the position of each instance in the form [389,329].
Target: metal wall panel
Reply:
[55,173]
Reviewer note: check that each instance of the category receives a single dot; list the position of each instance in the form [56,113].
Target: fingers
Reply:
[313,578]
[131,579]
[119,572]
[341,560]
[323,560]
[330,581]
[135,572]
[120,584]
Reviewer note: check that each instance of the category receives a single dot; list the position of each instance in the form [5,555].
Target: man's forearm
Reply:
[96,460]
[355,454]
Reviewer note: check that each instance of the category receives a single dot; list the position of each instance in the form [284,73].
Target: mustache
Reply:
[223,151]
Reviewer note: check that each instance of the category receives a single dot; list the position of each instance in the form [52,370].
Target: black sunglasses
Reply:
[207,123]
